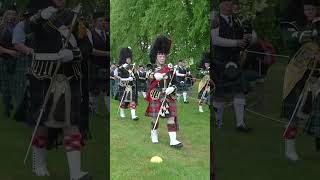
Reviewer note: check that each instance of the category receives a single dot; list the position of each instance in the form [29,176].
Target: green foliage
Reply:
[267,22]
[136,23]
[89,6]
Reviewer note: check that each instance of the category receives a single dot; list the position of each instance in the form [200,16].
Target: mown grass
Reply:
[131,147]
[259,155]
[14,138]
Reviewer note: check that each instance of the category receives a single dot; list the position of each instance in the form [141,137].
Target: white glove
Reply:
[125,65]
[48,12]
[170,90]
[127,79]
[159,76]
[65,55]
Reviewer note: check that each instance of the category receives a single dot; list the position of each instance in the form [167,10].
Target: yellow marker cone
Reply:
[156,159]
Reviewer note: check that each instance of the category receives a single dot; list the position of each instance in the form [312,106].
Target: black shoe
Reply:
[243,129]
[177,146]
[136,118]
[186,102]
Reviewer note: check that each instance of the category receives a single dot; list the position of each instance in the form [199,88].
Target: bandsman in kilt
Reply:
[127,92]
[99,62]
[160,94]
[8,58]
[229,37]
[204,85]
[142,81]
[182,74]
[301,100]
[55,82]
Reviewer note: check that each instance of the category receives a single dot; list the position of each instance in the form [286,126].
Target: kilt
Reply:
[227,87]
[154,107]
[182,87]
[142,86]
[36,92]
[291,100]
[98,79]
[312,127]
[121,91]
[7,75]
[206,97]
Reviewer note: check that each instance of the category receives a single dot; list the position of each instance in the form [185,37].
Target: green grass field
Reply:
[14,138]
[260,154]
[131,147]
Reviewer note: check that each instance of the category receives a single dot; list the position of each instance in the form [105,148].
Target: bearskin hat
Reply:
[161,45]
[204,59]
[124,54]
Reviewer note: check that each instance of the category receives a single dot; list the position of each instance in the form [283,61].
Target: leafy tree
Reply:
[136,24]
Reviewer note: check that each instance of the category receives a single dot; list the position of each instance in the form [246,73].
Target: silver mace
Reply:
[164,99]
[76,11]
[300,98]
[268,54]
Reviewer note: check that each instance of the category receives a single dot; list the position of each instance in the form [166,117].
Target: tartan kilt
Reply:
[183,87]
[37,91]
[290,102]
[142,86]
[36,95]
[226,87]
[7,75]
[98,79]
[312,127]
[206,97]
[154,107]
[23,64]
[120,93]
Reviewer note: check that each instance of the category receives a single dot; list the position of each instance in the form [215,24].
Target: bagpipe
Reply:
[306,59]
[259,56]
[166,70]
[206,85]
[129,69]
